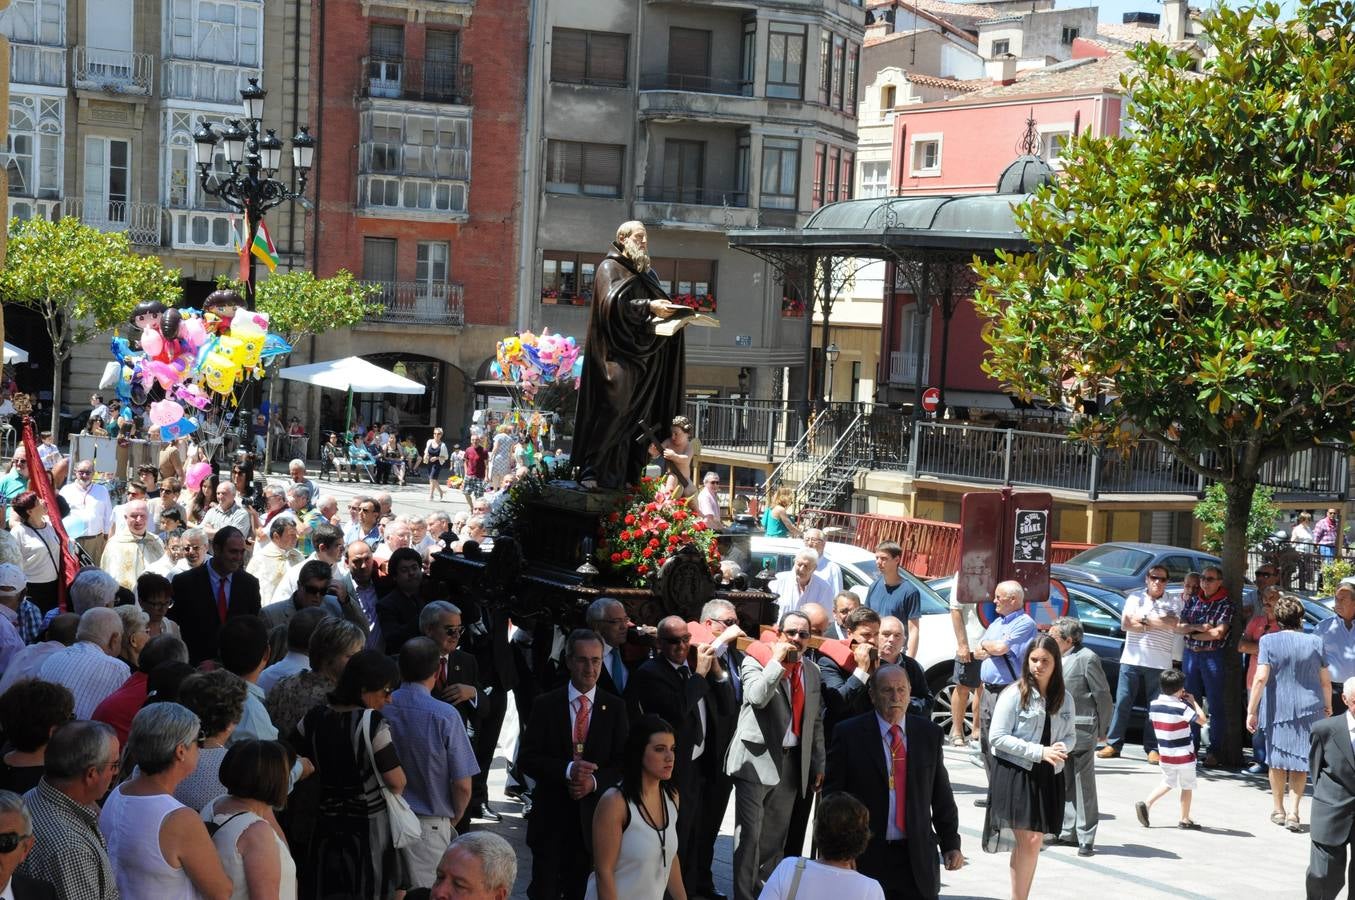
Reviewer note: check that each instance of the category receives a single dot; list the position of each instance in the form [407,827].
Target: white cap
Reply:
[12,580]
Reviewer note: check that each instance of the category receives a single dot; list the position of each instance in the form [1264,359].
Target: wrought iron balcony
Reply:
[694,196]
[113,71]
[420,303]
[411,78]
[701,84]
[141,221]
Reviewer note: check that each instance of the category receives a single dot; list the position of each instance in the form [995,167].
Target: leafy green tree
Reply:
[1212,513]
[1197,268]
[83,282]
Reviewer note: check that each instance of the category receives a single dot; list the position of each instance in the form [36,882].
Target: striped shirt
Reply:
[1172,718]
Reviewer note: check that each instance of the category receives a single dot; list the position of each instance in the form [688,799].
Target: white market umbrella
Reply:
[354,375]
[15,354]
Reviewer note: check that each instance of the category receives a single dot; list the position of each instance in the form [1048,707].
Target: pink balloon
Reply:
[152,342]
[193,332]
[196,475]
[165,412]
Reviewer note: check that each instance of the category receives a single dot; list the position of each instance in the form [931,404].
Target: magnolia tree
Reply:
[83,282]
[1198,269]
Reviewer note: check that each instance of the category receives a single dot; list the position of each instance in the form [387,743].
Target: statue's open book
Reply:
[681,318]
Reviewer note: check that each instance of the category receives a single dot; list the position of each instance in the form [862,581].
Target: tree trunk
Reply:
[59,368]
[1239,494]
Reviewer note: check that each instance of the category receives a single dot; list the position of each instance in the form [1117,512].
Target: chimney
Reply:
[1002,69]
[1175,20]
[877,29]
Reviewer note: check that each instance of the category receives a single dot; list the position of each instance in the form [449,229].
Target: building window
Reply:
[1069,35]
[853,67]
[826,68]
[888,101]
[182,189]
[566,278]
[32,153]
[225,31]
[386,62]
[839,69]
[848,171]
[589,57]
[874,179]
[820,156]
[748,56]
[690,282]
[785,61]
[378,259]
[684,172]
[831,173]
[432,260]
[35,22]
[1053,143]
[107,181]
[414,162]
[926,155]
[780,173]
[577,168]
[1001,48]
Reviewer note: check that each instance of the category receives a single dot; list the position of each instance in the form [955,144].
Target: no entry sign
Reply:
[931,399]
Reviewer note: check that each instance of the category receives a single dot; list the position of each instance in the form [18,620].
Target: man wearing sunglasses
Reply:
[1205,622]
[1149,622]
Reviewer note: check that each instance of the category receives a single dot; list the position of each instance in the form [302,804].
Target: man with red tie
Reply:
[573,748]
[893,763]
[206,595]
[776,754]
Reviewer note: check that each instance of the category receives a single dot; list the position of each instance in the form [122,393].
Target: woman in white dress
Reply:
[248,839]
[635,826]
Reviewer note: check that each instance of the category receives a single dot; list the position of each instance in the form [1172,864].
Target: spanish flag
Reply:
[262,248]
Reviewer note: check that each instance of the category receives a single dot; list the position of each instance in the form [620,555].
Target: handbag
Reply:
[405,828]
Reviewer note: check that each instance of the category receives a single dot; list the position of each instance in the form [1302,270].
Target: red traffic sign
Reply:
[931,399]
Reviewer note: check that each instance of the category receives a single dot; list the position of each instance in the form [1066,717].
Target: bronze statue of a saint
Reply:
[630,373]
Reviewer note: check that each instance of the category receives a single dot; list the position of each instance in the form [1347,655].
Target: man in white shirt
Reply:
[228,512]
[133,548]
[90,668]
[801,585]
[708,501]
[825,568]
[92,507]
[1338,639]
[1149,621]
[964,619]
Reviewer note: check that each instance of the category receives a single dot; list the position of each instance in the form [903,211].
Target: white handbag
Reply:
[404,824]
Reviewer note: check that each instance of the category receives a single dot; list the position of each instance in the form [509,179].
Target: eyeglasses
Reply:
[684,639]
[795,633]
[10,840]
[614,621]
[314,590]
[1162,578]
[728,623]
[388,691]
[454,630]
[1210,578]
[1266,574]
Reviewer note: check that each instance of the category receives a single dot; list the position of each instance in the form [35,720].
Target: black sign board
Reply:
[1030,536]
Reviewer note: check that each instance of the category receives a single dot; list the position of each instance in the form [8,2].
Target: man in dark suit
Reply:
[722,621]
[1331,763]
[845,692]
[573,748]
[776,754]
[869,756]
[206,596]
[687,690]
[398,610]
[1085,681]
[487,639]
[610,621]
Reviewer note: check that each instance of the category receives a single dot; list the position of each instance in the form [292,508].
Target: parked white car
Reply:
[936,643]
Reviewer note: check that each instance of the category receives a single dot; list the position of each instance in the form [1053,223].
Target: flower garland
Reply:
[647,528]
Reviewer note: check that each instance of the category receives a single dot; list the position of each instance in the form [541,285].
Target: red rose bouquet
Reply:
[647,528]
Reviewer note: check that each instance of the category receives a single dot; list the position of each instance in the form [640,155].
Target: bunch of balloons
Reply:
[529,361]
[190,358]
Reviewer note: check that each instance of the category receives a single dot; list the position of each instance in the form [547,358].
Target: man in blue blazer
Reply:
[866,756]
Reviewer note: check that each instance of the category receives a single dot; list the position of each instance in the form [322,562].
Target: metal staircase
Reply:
[829,482]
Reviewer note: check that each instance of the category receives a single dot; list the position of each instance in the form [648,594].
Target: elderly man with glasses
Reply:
[1149,621]
[1205,622]
[708,501]
[90,505]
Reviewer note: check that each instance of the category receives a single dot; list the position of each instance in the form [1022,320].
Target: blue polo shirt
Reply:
[1016,630]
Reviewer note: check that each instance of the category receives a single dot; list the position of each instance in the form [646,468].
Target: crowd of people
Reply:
[256,691]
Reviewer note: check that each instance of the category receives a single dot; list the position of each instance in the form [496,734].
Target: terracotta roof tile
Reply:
[1075,75]
[949,84]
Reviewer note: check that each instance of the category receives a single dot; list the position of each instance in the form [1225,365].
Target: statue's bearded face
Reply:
[636,247]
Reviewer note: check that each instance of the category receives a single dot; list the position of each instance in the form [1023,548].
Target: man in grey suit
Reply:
[1331,764]
[776,754]
[1085,682]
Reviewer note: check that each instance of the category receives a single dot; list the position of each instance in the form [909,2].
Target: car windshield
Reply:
[1112,559]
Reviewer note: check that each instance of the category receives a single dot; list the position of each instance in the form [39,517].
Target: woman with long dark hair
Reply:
[1031,736]
[41,549]
[635,825]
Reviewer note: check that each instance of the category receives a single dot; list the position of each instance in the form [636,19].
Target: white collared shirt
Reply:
[1350,728]
[790,739]
[700,712]
[892,832]
[574,694]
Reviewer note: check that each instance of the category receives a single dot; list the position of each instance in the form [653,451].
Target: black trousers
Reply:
[1330,868]
[799,825]
[893,868]
[486,739]
[560,862]
[715,793]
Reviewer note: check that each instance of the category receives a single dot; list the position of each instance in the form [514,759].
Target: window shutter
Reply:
[608,57]
[689,52]
[602,169]
[568,55]
[564,162]
[388,42]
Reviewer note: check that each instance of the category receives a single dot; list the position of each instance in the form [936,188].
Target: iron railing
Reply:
[413,78]
[701,196]
[113,71]
[141,221]
[701,84]
[420,303]
[756,426]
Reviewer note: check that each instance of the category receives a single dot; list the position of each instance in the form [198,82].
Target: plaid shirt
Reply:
[1198,610]
[30,621]
[70,853]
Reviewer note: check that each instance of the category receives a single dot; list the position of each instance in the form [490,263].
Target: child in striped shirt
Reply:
[1172,714]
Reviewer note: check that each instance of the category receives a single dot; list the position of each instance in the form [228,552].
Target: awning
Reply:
[15,354]
[352,373]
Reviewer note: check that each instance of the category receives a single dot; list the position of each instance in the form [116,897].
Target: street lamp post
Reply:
[250,188]
[831,353]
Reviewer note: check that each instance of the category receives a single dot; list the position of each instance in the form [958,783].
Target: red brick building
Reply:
[418,111]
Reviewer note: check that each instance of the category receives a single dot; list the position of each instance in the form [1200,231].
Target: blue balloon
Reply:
[577,370]
[178,429]
[273,345]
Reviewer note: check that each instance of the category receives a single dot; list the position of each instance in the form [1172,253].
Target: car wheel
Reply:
[942,691]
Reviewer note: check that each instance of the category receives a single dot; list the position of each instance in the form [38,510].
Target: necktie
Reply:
[222,604]
[580,727]
[442,675]
[898,774]
[618,670]
[797,698]
[685,673]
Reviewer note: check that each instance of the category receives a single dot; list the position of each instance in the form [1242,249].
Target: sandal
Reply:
[958,741]
[1292,823]
[1188,825]
[1277,817]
